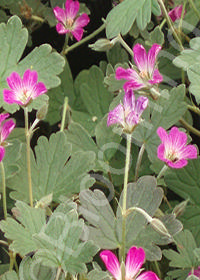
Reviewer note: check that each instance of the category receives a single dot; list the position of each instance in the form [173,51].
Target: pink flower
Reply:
[176,13]
[128,115]
[68,21]
[195,272]
[23,91]
[134,261]
[148,73]
[174,149]
[5,129]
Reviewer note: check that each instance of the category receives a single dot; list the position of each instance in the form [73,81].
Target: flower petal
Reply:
[72,8]
[30,79]
[177,138]
[190,151]
[152,54]
[157,77]
[134,261]
[61,29]
[116,115]
[11,97]
[175,13]
[162,134]
[133,85]
[112,264]
[140,58]
[81,21]
[77,33]
[38,89]
[60,14]
[7,127]
[129,101]
[3,117]
[161,152]
[141,105]
[126,74]
[2,153]
[178,164]
[148,275]
[14,81]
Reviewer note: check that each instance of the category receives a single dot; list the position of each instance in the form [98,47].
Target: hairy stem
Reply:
[127,163]
[189,127]
[170,24]
[194,108]
[3,179]
[162,172]
[65,107]
[84,40]
[28,151]
[139,161]
[125,45]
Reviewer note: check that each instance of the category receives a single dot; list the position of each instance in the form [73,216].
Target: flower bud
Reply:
[180,208]
[41,113]
[159,227]
[102,45]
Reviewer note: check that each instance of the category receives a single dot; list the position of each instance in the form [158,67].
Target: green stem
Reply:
[189,127]
[194,8]
[139,161]
[124,44]
[58,273]
[158,270]
[37,18]
[4,190]
[194,108]
[162,23]
[84,40]
[65,106]
[170,24]
[65,46]
[127,163]
[28,157]
[162,172]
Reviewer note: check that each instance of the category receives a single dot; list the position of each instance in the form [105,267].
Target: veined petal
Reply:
[38,89]
[11,97]
[2,153]
[61,29]
[152,54]
[116,116]
[129,101]
[126,74]
[161,152]
[162,134]
[60,14]
[14,81]
[81,21]
[140,58]
[134,261]
[72,8]
[3,117]
[178,164]
[112,264]
[7,127]
[141,105]
[190,152]
[30,79]
[156,78]
[177,138]
[148,275]
[77,33]
[132,119]
[133,85]
[175,13]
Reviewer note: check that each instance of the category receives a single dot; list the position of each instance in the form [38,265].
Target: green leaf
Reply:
[121,17]
[97,273]
[31,221]
[185,257]
[56,96]
[157,36]
[60,244]
[117,55]
[194,76]
[13,40]
[165,112]
[144,15]
[10,275]
[54,170]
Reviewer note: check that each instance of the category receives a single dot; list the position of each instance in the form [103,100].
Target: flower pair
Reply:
[134,261]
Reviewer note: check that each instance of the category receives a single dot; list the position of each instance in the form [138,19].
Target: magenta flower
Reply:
[174,150]
[176,13]
[195,272]
[23,91]
[68,21]
[5,129]
[147,75]
[134,261]
[129,114]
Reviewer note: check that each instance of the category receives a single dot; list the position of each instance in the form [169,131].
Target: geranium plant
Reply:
[99,158]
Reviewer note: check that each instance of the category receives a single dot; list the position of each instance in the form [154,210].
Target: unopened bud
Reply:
[159,227]
[102,45]
[180,208]
[41,113]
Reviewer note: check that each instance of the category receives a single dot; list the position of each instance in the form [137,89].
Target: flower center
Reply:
[144,75]
[25,96]
[69,22]
[172,156]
